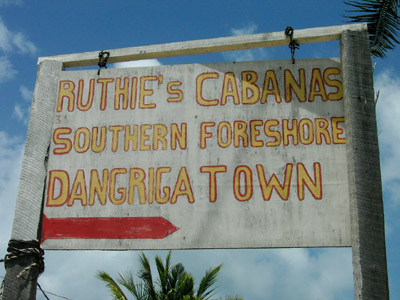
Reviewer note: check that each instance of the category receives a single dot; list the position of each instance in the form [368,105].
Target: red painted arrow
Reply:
[107,228]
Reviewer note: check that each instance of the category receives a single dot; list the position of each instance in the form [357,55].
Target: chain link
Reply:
[293,45]
[103,58]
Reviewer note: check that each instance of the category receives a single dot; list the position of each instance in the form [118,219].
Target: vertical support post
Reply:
[28,211]
[366,205]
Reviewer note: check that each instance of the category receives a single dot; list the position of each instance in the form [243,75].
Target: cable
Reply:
[40,288]
[50,293]
[19,248]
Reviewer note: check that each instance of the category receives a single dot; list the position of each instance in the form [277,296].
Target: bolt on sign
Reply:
[225,155]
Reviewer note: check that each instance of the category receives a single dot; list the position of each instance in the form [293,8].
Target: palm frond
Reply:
[164,272]
[141,293]
[128,282]
[174,283]
[383,23]
[176,274]
[205,289]
[185,286]
[113,286]
[145,275]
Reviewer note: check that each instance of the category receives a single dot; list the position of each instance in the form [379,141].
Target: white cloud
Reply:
[18,113]
[7,70]
[21,111]
[248,29]
[10,2]
[79,282]
[23,45]
[5,37]
[26,93]
[388,113]
[255,274]
[15,41]
[138,63]
[10,161]
[11,43]
[287,273]
[245,55]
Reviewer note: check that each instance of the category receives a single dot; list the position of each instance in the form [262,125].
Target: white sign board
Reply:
[228,155]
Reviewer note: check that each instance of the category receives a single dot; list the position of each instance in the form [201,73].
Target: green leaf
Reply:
[174,283]
[204,291]
[383,23]
[115,289]
[145,275]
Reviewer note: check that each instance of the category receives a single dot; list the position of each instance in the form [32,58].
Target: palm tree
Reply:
[173,283]
[383,23]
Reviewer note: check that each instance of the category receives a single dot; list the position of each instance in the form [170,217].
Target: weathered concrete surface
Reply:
[367,219]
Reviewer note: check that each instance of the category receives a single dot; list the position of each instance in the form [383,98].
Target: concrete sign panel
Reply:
[228,155]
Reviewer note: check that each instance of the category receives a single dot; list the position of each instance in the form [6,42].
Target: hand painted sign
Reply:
[230,155]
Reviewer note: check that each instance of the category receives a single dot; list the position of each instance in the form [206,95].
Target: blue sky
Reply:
[32,29]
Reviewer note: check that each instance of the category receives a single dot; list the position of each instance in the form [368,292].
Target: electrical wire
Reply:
[47,292]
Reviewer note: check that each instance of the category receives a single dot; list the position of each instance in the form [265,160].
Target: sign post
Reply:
[24,263]
[232,155]
[366,204]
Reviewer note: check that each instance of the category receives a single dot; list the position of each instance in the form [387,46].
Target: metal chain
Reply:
[103,58]
[293,45]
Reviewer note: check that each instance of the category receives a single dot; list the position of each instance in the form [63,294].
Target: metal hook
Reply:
[293,45]
[103,58]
